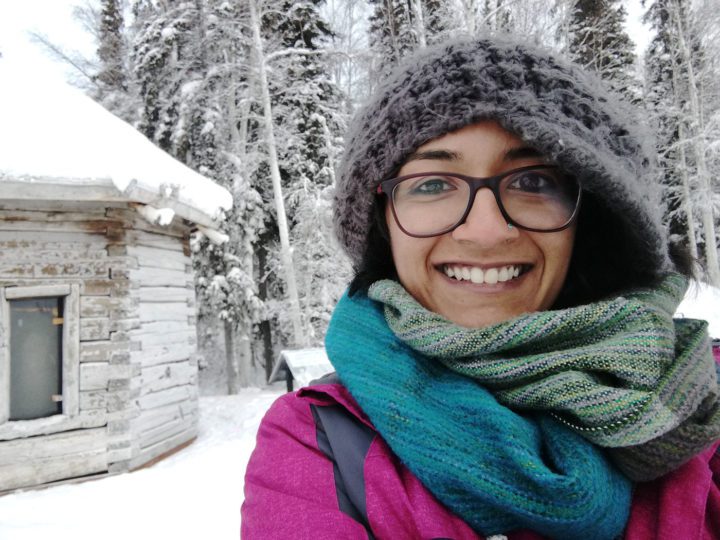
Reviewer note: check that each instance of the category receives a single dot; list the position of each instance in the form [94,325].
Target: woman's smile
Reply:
[492,275]
[484,271]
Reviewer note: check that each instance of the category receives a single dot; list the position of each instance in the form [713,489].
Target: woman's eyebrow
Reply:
[442,155]
[522,152]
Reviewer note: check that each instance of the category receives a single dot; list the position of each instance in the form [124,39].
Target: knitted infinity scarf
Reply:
[621,373]
[497,469]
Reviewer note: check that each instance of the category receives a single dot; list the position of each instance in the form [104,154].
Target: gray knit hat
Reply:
[553,105]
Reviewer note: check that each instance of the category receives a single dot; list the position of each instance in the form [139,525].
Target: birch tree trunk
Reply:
[698,145]
[285,250]
[419,23]
[469,12]
[687,203]
[686,196]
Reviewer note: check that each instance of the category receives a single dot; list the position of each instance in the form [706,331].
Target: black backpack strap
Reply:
[345,441]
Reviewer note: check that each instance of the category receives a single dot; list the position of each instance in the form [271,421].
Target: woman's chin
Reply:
[478,305]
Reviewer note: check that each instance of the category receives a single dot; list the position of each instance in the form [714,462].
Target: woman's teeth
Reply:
[491,276]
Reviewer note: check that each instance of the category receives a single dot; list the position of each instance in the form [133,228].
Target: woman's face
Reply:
[483,241]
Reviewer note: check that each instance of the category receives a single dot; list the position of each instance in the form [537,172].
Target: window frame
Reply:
[70,358]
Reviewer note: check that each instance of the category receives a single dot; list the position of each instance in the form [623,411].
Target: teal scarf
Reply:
[496,468]
[621,373]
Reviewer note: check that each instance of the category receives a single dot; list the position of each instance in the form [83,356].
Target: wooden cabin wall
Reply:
[68,243]
[138,369]
[162,288]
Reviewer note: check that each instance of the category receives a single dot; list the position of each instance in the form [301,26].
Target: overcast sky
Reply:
[54,18]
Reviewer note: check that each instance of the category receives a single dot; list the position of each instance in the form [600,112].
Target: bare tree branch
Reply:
[81,65]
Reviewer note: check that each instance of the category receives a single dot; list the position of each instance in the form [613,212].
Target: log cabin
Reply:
[98,355]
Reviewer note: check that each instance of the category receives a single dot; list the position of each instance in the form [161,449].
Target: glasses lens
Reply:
[542,199]
[426,205]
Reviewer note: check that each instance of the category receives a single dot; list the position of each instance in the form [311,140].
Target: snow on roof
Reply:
[57,143]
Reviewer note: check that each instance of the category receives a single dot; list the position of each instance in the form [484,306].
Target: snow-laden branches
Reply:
[213,83]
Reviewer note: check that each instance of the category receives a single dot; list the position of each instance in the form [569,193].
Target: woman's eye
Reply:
[534,182]
[432,186]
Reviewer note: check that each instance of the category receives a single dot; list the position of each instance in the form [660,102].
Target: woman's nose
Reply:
[485,224]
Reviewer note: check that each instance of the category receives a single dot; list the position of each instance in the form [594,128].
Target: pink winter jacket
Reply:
[295,489]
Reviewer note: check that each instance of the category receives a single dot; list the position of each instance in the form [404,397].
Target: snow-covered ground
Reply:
[194,494]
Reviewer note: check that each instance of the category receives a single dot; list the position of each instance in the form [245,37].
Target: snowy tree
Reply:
[539,21]
[287,270]
[258,102]
[227,285]
[351,62]
[599,42]
[391,30]
[191,61]
[221,82]
[306,113]
[677,74]
[161,57]
[113,85]
[112,47]
[661,100]
[399,27]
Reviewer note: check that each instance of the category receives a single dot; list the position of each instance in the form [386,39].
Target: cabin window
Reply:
[36,357]
[39,361]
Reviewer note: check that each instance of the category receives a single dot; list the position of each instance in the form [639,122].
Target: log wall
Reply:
[137,371]
[167,386]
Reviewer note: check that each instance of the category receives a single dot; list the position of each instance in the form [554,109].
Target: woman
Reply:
[507,362]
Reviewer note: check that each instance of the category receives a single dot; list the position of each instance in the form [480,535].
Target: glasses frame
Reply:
[387,187]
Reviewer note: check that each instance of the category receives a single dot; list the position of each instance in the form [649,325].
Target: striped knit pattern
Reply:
[498,469]
[621,373]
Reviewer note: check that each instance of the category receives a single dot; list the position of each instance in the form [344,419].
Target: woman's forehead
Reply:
[481,141]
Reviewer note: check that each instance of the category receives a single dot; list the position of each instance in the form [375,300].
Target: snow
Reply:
[53,133]
[159,216]
[216,237]
[702,301]
[193,494]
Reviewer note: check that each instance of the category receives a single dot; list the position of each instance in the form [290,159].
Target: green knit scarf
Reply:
[499,470]
[622,372]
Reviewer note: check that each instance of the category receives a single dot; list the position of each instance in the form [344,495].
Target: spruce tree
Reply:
[161,56]
[599,42]
[664,104]
[111,51]
[390,30]
[399,27]
[112,82]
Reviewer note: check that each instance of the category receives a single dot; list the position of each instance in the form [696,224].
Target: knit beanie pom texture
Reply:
[552,105]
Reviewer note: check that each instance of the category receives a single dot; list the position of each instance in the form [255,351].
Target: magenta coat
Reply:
[296,488]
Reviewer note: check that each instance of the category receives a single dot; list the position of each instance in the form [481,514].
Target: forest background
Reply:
[256,94]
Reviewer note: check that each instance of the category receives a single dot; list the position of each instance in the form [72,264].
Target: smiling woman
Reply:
[507,358]
[479,271]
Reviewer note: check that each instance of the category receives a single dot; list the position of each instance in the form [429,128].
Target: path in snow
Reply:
[195,494]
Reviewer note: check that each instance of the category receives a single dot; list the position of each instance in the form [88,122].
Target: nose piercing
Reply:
[510,226]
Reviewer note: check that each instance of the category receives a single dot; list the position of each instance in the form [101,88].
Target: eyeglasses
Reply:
[538,198]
